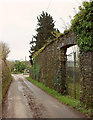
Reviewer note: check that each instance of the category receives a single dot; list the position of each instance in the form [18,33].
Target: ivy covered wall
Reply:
[82,26]
[49,67]
[49,63]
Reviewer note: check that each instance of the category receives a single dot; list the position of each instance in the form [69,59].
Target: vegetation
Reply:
[19,66]
[4,50]
[82,25]
[40,50]
[64,99]
[35,69]
[5,76]
[11,65]
[45,29]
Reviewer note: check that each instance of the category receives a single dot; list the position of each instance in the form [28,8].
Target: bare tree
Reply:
[64,24]
[4,50]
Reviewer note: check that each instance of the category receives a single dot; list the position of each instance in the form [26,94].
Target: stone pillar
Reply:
[63,70]
[86,66]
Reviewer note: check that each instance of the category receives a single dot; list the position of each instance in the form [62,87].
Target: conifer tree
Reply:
[44,30]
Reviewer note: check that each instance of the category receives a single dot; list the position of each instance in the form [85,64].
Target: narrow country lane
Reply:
[25,100]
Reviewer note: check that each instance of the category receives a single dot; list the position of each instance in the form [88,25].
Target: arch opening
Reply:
[73,72]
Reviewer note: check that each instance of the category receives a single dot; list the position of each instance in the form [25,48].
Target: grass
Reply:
[71,89]
[64,99]
[16,72]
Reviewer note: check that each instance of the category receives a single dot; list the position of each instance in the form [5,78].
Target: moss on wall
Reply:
[35,69]
[49,64]
[50,68]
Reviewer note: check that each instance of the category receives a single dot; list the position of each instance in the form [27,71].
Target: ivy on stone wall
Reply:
[35,69]
[56,82]
[82,25]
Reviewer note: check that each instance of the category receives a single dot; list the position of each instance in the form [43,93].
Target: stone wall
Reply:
[86,65]
[51,61]
[50,67]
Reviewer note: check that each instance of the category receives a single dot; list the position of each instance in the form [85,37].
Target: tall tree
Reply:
[44,30]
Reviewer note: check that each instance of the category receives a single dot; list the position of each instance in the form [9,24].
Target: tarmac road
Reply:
[25,100]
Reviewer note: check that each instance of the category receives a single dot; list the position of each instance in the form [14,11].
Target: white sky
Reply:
[18,20]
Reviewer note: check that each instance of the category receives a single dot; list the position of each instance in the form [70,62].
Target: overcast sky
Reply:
[18,20]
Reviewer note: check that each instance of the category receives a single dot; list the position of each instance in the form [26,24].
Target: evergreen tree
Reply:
[45,28]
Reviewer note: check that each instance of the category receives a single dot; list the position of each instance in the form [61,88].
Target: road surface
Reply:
[25,100]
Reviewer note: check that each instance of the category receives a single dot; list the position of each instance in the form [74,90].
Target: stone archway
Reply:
[64,43]
[86,69]
[52,63]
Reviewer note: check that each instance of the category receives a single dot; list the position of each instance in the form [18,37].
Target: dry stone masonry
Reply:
[49,67]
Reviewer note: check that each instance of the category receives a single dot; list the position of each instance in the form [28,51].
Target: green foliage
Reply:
[35,69]
[64,99]
[19,66]
[82,25]
[44,28]
[56,34]
[57,81]
[40,50]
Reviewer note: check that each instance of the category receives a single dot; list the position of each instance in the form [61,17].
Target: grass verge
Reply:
[16,72]
[64,99]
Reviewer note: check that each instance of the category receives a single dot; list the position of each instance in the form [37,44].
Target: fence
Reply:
[73,76]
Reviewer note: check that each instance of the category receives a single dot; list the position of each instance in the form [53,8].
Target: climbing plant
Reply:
[35,69]
[82,25]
